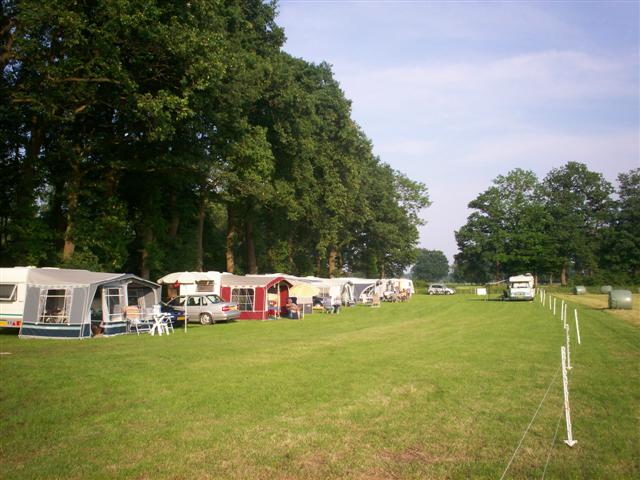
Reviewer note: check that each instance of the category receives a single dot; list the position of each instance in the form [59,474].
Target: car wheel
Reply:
[205,319]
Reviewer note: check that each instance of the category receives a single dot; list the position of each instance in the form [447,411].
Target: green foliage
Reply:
[579,203]
[132,131]
[567,227]
[506,234]
[431,265]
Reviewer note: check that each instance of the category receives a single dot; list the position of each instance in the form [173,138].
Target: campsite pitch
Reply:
[439,387]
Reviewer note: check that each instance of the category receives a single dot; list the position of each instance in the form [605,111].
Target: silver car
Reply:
[440,289]
[205,308]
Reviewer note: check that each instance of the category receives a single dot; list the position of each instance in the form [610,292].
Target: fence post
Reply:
[575,314]
[568,345]
[567,411]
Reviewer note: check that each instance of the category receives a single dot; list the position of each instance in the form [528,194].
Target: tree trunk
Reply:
[231,233]
[147,239]
[200,233]
[252,267]
[563,274]
[318,265]
[72,209]
[174,221]
[332,261]
[290,254]
[26,190]
[381,268]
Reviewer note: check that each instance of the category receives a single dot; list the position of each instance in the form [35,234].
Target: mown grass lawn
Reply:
[440,387]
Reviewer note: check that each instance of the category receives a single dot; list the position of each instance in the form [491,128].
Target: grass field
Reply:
[440,387]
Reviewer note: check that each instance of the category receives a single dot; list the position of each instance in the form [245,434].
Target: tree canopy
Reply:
[570,224]
[159,136]
[431,265]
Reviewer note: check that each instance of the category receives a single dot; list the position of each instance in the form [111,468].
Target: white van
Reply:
[521,287]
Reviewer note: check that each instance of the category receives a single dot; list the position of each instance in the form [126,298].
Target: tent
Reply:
[304,292]
[337,288]
[63,303]
[251,293]
[359,287]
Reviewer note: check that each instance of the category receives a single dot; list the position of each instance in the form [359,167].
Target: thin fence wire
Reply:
[530,423]
[555,435]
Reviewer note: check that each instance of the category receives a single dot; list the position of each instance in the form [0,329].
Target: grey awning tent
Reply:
[63,303]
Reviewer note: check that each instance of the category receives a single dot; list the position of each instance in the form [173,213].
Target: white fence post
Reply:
[567,411]
[568,345]
[575,314]
[554,307]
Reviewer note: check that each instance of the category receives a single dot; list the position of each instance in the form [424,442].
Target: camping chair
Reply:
[167,321]
[135,320]
[162,322]
[375,301]
[327,303]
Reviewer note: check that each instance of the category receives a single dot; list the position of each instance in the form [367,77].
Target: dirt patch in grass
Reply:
[417,455]
[601,302]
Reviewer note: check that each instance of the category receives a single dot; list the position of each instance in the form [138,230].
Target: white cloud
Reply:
[454,94]
[511,83]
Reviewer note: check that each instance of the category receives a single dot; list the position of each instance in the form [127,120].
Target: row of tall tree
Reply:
[154,136]
[573,225]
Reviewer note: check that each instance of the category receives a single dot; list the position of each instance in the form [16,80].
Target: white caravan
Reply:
[521,287]
[13,288]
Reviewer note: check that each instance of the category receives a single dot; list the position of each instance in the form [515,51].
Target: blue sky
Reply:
[454,94]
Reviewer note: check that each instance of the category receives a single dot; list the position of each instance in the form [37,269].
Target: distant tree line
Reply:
[572,226]
[431,265]
[153,136]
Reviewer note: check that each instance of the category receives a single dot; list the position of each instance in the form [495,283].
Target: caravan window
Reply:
[244,298]
[204,286]
[55,305]
[8,292]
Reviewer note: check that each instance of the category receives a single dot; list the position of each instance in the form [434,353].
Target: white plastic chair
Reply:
[161,322]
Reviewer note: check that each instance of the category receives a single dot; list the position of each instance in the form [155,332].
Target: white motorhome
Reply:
[13,289]
[521,287]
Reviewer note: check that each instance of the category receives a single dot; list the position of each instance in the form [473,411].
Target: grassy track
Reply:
[441,387]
